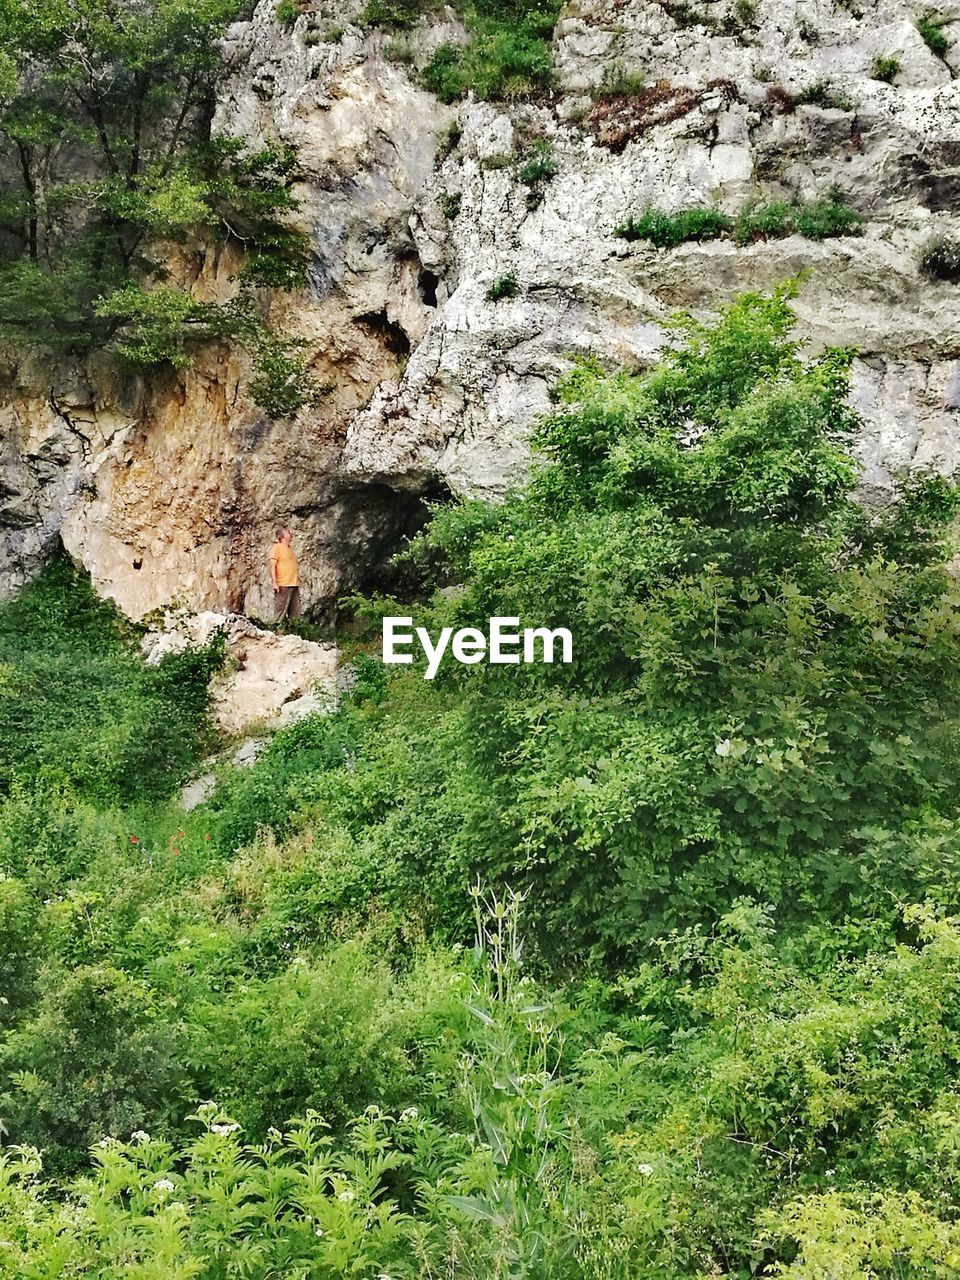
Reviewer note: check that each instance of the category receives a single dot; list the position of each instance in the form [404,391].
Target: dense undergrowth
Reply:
[710,1025]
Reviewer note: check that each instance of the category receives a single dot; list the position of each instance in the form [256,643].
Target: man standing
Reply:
[284,576]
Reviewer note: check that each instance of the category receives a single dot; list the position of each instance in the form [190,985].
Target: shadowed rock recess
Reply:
[169,490]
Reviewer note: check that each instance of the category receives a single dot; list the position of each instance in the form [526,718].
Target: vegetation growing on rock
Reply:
[940,258]
[815,220]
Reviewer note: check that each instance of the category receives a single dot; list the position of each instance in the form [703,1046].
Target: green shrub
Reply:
[450,204]
[506,63]
[933,35]
[666,230]
[508,55]
[885,69]
[539,164]
[940,259]
[505,286]
[815,220]
[354,1021]
[287,12]
[737,562]
[392,13]
[79,708]
[442,74]
[100,1056]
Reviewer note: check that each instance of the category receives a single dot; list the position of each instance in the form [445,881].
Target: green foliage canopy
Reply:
[105,135]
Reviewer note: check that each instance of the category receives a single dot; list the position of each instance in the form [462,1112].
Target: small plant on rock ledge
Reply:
[885,69]
[504,286]
[450,204]
[667,230]
[940,259]
[932,34]
[539,164]
[821,93]
[616,82]
[287,12]
[814,220]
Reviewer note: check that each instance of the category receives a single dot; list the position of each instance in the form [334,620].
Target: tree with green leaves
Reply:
[106,154]
[766,678]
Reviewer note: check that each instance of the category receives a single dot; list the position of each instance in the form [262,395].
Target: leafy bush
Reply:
[715,494]
[941,259]
[287,12]
[505,286]
[442,75]
[400,14]
[99,1056]
[354,1024]
[508,55]
[78,705]
[667,230]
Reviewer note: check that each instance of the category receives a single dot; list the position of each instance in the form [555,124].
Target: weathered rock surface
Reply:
[172,492]
[268,680]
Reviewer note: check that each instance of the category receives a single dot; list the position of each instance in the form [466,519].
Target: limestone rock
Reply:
[268,680]
[266,674]
[170,492]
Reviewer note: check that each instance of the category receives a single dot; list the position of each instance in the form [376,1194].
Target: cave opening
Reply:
[427,283]
[375,522]
[399,517]
[390,334]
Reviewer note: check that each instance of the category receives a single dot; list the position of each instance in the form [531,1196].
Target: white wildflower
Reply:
[645,1169]
[345,1195]
[409,1113]
[224,1130]
[106,1142]
[724,748]
[163,1184]
[318,1231]
[140,1135]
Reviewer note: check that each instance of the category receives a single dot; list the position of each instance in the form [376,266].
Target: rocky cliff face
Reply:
[172,491]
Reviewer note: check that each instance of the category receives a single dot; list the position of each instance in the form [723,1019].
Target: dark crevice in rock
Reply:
[427,282]
[391,335]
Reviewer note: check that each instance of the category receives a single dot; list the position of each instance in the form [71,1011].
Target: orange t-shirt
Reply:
[287,575]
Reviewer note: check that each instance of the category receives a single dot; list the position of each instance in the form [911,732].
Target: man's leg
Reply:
[294,610]
[283,602]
